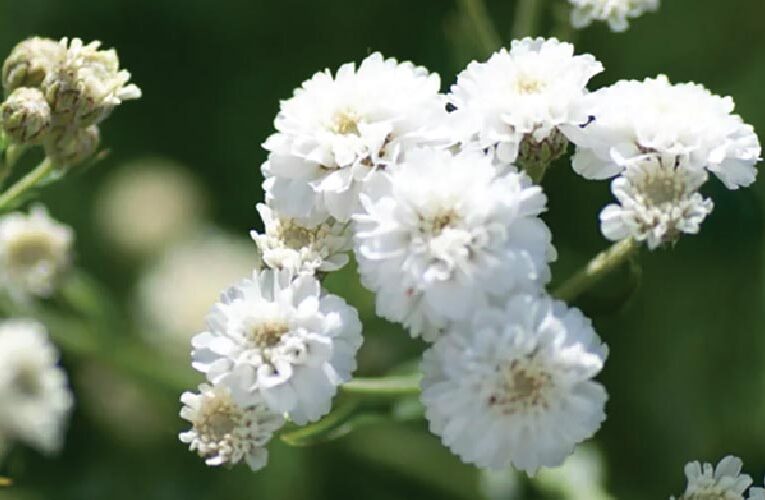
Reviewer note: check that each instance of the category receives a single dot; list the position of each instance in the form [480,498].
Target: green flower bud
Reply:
[26,116]
[534,157]
[68,148]
[30,62]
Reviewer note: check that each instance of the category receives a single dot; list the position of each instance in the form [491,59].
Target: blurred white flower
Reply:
[35,251]
[513,386]
[35,397]
[148,204]
[335,131]
[525,93]
[176,291]
[226,432]
[442,233]
[723,482]
[286,244]
[581,477]
[683,125]
[281,339]
[657,203]
[615,12]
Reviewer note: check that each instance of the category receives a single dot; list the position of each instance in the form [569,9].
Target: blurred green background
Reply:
[166,215]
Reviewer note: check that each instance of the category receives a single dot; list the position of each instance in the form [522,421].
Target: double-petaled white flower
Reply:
[525,93]
[723,482]
[441,234]
[513,384]
[282,340]
[35,251]
[225,431]
[657,202]
[615,12]
[683,125]
[35,397]
[336,130]
[288,244]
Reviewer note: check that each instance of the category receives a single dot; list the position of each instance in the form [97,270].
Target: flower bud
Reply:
[72,147]
[534,157]
[26,116]
[87,86]
[30,62]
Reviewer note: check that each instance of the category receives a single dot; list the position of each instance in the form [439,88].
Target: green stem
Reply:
[310,433]
[526,20]
[597,269]
[478,14]
[26,183]
[384,387]
[9,158]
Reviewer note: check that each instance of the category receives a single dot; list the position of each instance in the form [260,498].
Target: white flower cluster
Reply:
[615,12]
[36,400]
[722,482]
[659,141]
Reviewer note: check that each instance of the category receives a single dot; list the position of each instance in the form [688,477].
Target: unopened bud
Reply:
[26,116]
[73,147]
[535,156]
[30,62]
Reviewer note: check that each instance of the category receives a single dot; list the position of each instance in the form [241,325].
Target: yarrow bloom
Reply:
[35,252]
[657,203]
[513,384]
[36,400]
[683,125]
[287,244]
[615,12]
[723,482]
[442,234]
[282,340]
[335,131]
[524,94]
[225,432]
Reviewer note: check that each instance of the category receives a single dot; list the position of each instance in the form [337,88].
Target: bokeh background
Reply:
[162,223]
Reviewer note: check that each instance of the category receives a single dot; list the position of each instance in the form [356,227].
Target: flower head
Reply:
[723,482]
[657,203]
[525,93]
[69,147]
[513,385]
[30,62]
[287,244]
[280,339]
[336,130]
[441,234]
[226,432]
[35,251]
[33,389]
[26,115]
[615,12]
[682,124]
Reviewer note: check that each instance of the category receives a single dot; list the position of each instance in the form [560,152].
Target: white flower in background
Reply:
[280,339]
[682,124]
[756,494]
[581,477]
[225,432]
[657,203]
[441,234]
[175,292]
[723,482]
[35,251]
[615,12]
[87,85]
[286,244]
[525,93]
[513,385]
[36,400]
[335,131]
[148,204]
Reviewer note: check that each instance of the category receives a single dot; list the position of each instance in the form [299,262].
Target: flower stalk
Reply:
[526,20]
[487,34]
[35,177]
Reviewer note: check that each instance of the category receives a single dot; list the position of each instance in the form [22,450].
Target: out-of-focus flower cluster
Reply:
[723,481]
[614,12]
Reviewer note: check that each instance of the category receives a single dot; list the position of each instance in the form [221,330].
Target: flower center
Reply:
[296,236]
[528,85]
[27,382]
[346,123]
[219,418]
[266,333]
[29,249]
[523,385]
[434,226]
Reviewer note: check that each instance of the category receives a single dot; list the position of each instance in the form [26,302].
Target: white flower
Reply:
[35,397]
[756,494]
[336,130]
[282,340]
[724,482]
[525,93]
[226,432]
[513,386]
[287,244]
[443,233]
[615,12]
[657,202]
[35,251]
[683,124]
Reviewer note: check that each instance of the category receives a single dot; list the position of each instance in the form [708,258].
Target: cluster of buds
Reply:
[57,93]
